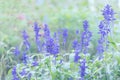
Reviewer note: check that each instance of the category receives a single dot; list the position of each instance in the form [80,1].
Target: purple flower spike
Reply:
[25,38]
[14,73]
[75,43]
[37,35]
[105,29]
[65,35]
[83,69]
[24,58]
[85,37]
[108,13]
[46,31]
[16,51]
[77,57]
[52,47]
[85,25]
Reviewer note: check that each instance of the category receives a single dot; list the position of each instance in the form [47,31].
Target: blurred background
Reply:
[17,15]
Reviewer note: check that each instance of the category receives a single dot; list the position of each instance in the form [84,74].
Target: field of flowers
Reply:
[77,41]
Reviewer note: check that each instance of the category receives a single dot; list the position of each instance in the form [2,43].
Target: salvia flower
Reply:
[83,69]
[75,44]
[23,72]
[85,37]
[77,31]
[37,35]
[77,49]
[52,47]
[29,76]
[76,57]
[24,58]
[35,63]
[105,29]
[16,51]
[46,31]
[14,73]
[25,38]
[36,30]
[108,13]
[65,35]
[56,37]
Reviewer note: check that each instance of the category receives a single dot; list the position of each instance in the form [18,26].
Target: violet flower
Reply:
[77,48]
[24,58]
[16,51]
[46,31]
[52,47]
[83,69]
[35,63]
[25,40]
[37,35]
[108,13]
[76,57]
[65,35]
[23,72]
[75,44]
[105,29]
[85,37]
[14,73]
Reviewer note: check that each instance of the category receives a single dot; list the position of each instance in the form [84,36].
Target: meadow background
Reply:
[16,15]
[19,15]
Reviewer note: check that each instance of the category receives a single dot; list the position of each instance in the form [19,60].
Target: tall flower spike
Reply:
[37,35]
[77,48]
[105,29]
[25,38]
[65,35]
[85,37]
[46,31]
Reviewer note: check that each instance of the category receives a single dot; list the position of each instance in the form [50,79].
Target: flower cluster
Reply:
[85,40]
[105,29]
[52,44]
[52,47]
